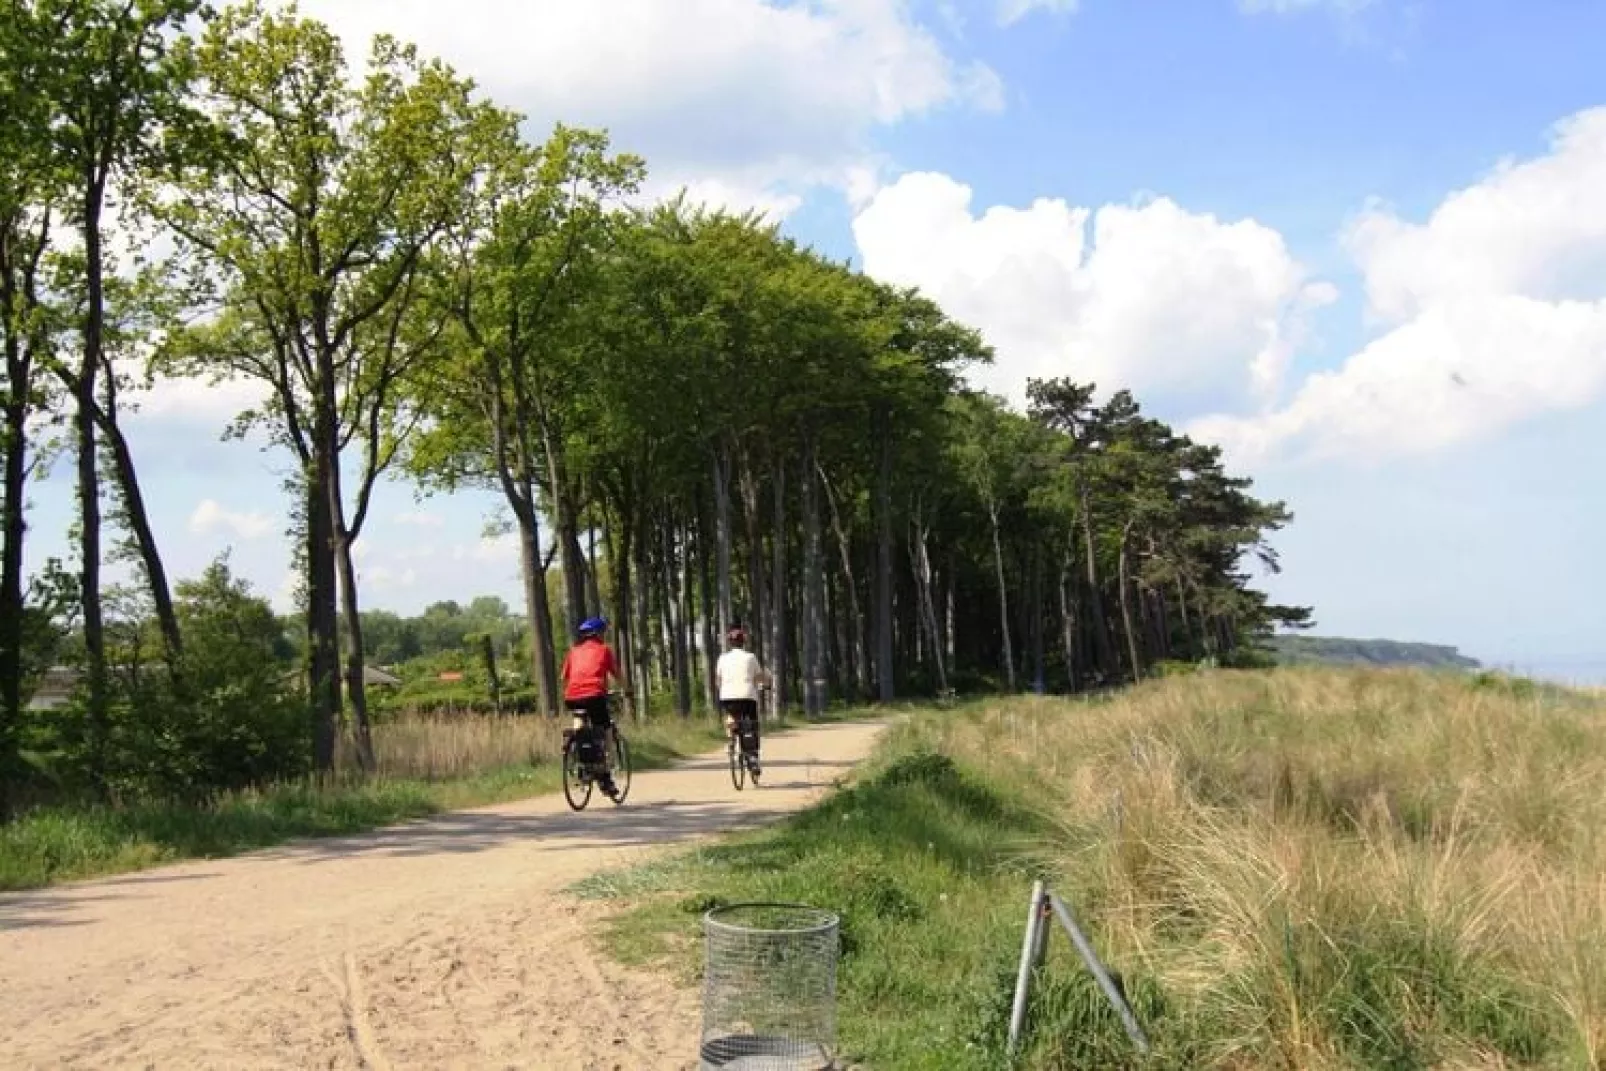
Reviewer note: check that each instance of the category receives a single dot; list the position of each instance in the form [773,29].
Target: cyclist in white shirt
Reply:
[738,677]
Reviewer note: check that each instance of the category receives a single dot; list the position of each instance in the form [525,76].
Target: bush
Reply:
[239,721]
[225,717]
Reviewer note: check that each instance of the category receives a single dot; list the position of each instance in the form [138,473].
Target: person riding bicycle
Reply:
[586,670]
[738,677]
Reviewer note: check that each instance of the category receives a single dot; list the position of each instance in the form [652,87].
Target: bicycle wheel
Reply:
[738,764]
[576,778]
[621,767]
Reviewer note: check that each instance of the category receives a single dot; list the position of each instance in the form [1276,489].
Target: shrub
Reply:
[225,717]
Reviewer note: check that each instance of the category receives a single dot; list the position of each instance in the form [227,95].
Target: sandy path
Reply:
[445,943]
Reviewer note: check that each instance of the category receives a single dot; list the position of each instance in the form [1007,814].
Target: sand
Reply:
[445,943]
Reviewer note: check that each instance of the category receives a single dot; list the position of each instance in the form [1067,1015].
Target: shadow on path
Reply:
[599,827]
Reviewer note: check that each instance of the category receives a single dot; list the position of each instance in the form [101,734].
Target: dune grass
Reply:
[426,765]
[1296,869]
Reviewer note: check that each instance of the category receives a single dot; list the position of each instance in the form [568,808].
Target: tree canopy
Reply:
[693,420]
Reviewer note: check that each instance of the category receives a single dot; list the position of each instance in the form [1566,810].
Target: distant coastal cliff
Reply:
[1294,650]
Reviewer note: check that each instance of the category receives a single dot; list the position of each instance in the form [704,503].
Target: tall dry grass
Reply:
[438,747]
[442,747]
[1325,869]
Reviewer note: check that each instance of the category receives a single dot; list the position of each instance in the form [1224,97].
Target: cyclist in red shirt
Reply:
[586,671]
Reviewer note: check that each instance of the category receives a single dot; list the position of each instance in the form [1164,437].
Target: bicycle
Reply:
[744,758]
[586,760]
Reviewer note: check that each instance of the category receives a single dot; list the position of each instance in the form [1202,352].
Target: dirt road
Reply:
[441,944]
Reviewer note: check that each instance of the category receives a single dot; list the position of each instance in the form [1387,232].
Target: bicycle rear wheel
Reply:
[738,764]
[576,779]
[621,766]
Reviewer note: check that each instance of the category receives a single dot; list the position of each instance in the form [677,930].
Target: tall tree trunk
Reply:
[574,564]
[323,660]
[1100,624]
[794,593]
[847,654]
[1126,605]
[1160,623]
[950,627]
[12,608]
[666,611]
[1189,650]
[1003,597]
[356,685]
[710,645]
[928,610]
[17,305]
[538,614]
[758,598]
[677,623]
[781,668]
[616,545]
[722,534]
[99,708]
[22,250]
[642,582]
[853,651]
[1068,616]
[885,672]
[1039,675]
[593,581]
[813,594]
[567,524]
[343,538]
[144,537]
[1145,615]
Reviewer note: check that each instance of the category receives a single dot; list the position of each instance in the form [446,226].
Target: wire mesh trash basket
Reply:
[769,988]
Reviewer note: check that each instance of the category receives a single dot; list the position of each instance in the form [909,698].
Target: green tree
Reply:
[30,195]
[234,723]
[500,409]
[995,453]
[112,75]
[329,212]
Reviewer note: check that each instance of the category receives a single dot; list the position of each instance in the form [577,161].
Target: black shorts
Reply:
[745,714]
[594,710]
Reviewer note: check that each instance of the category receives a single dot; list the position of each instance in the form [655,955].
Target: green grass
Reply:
[427,766]
[928,867]
[64,844]
[1296,869]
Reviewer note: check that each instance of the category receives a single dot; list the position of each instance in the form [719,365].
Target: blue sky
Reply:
[1361,243]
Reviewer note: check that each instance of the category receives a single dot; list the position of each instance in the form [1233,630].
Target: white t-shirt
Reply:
[739,673]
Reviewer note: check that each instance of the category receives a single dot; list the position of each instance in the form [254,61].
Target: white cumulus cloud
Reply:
[385,578]
[1148,296]
[1012,11]
[490,549]
[209,517]
[751,99]
[420,518]
[1493,311]
[1288,7]
[194,402]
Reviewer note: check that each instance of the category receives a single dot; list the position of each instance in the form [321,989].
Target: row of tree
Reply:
[692,419]
[446,627]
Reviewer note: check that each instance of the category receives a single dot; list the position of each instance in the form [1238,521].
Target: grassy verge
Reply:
[427,766]
[1299,869]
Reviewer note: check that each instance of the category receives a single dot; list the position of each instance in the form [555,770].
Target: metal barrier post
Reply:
[1031,954]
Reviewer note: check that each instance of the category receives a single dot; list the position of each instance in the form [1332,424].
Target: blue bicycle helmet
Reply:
[593,626]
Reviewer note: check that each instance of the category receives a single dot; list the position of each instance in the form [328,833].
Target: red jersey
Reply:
[586,669]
